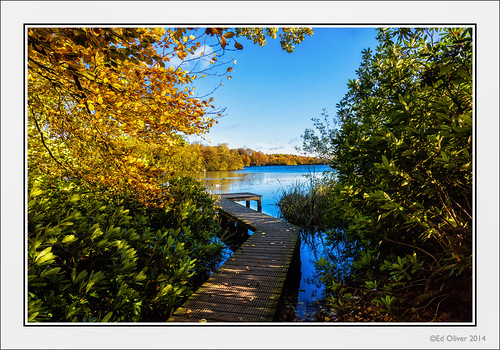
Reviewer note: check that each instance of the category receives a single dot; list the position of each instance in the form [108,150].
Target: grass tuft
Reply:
[304,203]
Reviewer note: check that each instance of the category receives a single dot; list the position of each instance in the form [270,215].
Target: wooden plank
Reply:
[248,285]
[244,196]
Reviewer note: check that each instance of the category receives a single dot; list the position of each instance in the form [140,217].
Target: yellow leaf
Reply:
[99,100]
[91,107]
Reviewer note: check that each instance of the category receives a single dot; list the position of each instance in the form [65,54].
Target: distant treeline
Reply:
[201,157]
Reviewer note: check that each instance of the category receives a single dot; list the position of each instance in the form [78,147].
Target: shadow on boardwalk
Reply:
[248,286]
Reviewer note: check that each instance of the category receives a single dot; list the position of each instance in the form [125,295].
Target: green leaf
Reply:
[445,157]
[35,193]
[107,317]
[386,162]
[50,272]
[69,239]
[81,276]
[44,256]
[32,316]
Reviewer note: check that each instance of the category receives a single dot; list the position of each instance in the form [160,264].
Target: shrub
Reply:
[96,257]
[402,152]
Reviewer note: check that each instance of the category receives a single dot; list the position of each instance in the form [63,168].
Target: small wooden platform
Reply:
[249,284]
[244,196]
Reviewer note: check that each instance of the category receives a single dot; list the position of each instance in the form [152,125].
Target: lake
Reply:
[269,181]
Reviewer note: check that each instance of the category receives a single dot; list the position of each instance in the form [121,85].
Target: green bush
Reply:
[402,155]
[96,257]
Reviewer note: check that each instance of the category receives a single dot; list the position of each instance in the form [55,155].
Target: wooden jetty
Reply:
[248,286]
[244,196]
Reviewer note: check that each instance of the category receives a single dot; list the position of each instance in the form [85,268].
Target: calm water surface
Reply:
[269,181]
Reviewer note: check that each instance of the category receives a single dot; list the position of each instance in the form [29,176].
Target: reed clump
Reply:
[305,203]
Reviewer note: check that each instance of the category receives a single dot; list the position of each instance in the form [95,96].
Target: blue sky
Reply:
[273,95]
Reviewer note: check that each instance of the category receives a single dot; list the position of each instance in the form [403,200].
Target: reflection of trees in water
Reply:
[337,251]
[222,181]
[314,246]
[314,241]
[317,245]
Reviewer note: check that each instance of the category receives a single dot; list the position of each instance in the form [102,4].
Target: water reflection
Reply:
[267,181]
[311,290]
[263,180]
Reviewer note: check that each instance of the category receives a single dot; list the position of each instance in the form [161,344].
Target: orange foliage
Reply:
[104,103]
[90,90]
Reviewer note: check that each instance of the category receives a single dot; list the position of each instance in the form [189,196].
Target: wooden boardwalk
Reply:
[249,284]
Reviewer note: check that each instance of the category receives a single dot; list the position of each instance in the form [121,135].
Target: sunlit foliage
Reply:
[288,36]
[99,258]
[116,230]
[197,157]
[401,149]
[93,90]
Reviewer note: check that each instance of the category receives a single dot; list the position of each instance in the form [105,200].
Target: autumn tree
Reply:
[107,112]
[258,158]
[91,90]
[245,156]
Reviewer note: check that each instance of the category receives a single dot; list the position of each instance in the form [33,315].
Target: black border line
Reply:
[265,324]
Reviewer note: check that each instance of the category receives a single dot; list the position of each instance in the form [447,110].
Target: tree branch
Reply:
[43,141]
